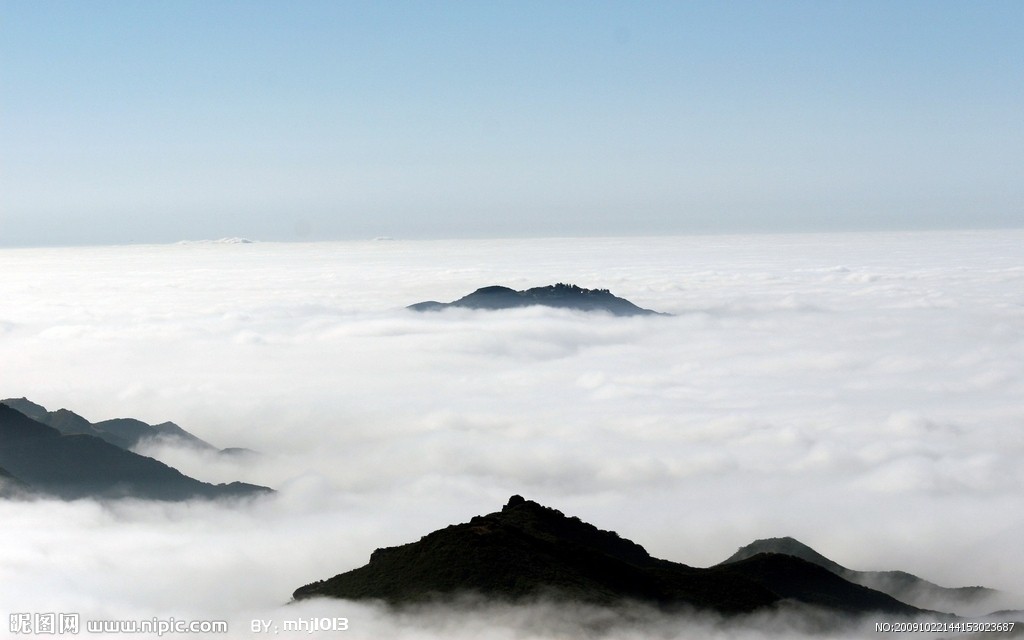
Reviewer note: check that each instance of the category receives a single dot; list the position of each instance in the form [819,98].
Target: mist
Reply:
[859,392]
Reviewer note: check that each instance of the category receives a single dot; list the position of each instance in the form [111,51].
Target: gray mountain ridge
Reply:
[44,460]
[561,295]
[126,433]
[901,585]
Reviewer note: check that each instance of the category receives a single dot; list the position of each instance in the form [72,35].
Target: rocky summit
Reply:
[562,296]
[527,550]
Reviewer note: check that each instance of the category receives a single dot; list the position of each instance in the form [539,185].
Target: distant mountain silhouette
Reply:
[564,296]
[239,452]
[529,550]
[135,431]
[77,465]
[901,585]
[126,433]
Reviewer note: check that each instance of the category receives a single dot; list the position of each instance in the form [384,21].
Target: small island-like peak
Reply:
[560,295]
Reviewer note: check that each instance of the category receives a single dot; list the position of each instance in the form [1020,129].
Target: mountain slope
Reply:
[11,487]
[564,296]
[126,433]
[528,550]
[134,431]
[794,578]
[80,465]
[903,586]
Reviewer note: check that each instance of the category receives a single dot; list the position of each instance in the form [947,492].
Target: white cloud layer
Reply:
[858,392]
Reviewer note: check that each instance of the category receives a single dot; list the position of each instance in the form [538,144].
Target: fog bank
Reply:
[859,392]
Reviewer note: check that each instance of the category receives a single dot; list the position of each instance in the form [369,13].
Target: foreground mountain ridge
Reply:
[561,295]
[527,550]
[40,459]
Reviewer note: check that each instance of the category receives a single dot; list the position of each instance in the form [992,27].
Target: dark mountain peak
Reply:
[68,421]
[551,524]
[787,546]
[560,295]
[528,550]
[563,289]
[494,290]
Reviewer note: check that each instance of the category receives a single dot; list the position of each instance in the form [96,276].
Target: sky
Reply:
[857,391]
[139,122]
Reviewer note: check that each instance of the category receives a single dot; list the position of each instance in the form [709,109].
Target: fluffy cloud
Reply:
[859,392]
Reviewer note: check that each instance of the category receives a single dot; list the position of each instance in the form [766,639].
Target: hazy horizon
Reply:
[151,123]
[711,235]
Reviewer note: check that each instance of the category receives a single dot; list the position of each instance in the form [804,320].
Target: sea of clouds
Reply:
[860,392]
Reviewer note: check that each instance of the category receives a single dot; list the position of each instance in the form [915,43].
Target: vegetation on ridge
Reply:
[527,550]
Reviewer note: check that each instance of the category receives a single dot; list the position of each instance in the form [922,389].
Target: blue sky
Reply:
[136,121]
